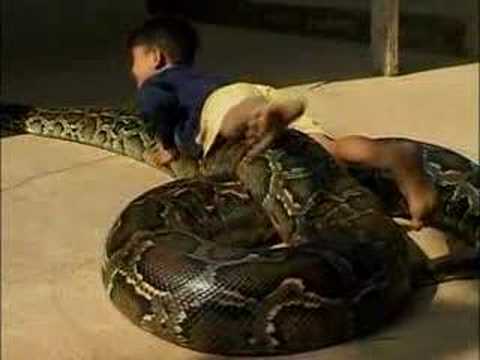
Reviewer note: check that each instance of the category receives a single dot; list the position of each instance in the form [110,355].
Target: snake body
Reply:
[282,253]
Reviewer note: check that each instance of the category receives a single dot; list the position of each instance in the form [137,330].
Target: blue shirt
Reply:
[171,102]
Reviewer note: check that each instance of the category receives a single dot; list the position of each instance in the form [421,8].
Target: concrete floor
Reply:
[59,199]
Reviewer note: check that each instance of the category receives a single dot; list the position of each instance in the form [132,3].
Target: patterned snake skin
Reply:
[282,253]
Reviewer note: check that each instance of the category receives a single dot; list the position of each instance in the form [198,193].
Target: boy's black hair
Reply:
[174,35]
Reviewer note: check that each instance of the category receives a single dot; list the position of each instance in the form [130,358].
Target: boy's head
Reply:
[161,41]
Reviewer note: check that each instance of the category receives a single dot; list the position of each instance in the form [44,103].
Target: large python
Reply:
[282,253]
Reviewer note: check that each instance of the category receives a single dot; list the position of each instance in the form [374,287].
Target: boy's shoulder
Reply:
[158,81]
[169,80]
[183,82]
[154,92]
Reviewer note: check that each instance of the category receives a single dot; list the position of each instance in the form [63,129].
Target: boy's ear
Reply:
[159,58]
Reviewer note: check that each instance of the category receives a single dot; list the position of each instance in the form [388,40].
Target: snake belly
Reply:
[283,253]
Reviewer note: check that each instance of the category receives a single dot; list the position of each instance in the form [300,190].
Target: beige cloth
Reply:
[223,99]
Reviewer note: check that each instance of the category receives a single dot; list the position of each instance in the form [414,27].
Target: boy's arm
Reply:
[184,136]
[159,108]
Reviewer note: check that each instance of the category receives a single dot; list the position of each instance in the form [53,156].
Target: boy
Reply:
[190,110]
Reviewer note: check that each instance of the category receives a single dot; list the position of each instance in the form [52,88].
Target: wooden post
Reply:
[384,36]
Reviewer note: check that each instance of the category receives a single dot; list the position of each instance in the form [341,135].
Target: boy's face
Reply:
[146,61]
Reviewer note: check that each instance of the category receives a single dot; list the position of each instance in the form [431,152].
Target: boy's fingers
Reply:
[415,224]
[258,146]
[252,134]
[410,224]
[158,156]
[252,126]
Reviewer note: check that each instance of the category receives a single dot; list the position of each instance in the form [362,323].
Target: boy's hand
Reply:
[158,156]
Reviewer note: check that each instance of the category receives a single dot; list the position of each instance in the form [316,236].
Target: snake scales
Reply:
[284,253]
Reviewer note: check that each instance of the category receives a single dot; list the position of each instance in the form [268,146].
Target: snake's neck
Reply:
[118,130]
